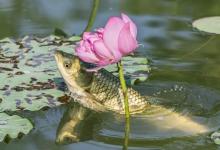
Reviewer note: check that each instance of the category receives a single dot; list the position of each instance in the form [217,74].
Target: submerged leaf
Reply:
[208,24]
[12,126]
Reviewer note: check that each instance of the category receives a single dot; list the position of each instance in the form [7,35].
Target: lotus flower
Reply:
[109,44]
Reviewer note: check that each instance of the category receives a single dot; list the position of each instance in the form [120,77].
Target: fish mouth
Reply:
[58,55]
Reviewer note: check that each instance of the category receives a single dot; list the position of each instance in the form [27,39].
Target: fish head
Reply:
[68,64]
[73,72]
[69,67]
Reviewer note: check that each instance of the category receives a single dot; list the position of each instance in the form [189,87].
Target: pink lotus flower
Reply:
[107,45]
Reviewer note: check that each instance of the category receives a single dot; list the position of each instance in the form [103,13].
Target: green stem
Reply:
[92,15]
[126,104]
[127,132]
[124,89]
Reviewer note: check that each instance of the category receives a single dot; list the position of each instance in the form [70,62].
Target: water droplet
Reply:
[181,88]
[176,87]
[158,93]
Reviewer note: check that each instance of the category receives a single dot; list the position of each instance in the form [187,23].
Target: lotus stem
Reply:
[92,15]
[127,132]
[124,89]
[126,104]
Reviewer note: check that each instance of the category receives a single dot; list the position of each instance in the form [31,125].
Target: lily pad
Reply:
[29,76]
[12,126]
[74,38]
[208,24]
[28,72]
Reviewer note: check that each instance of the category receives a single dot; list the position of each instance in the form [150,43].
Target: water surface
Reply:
[185,71]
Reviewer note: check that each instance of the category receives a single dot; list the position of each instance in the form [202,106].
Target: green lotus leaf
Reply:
[29,76]
[28,72]
[208,24]
[12,126]
[74,38]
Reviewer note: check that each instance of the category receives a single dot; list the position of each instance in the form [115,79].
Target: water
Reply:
[185,71]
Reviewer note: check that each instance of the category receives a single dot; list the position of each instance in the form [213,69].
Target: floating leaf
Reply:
[29,76]
[28,72]
[12,126]
[208,24]
[74,38]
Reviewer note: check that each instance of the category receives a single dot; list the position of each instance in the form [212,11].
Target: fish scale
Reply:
[107,90]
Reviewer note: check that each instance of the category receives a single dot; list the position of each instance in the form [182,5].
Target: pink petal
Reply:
[127,43]
[100,30]
[102,51]
[133,27]
[111,33]
[104,62]
[92,39]
[87,47]
[86,35]
[117,55]
[86,56]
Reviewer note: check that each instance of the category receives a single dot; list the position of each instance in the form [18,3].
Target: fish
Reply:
[99,91]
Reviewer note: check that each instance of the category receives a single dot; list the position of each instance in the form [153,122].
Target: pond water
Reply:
[185,72]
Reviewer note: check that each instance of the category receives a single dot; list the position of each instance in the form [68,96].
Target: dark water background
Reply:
[182,58]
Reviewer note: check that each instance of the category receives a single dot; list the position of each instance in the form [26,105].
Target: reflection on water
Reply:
[189,85]
[75,125]
[188,117]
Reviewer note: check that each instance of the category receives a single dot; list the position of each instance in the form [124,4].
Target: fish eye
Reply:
[67,65]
